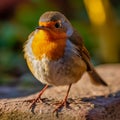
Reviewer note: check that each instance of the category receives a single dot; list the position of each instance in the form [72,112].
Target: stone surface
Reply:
[85,102]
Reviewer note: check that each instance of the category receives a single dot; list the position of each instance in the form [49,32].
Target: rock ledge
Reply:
[86,101]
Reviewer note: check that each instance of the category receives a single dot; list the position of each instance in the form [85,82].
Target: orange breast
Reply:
[49,44]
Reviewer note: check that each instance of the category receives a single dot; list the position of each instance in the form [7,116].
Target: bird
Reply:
[56,55]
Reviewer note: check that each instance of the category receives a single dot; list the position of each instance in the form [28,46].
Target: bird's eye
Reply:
[57,25]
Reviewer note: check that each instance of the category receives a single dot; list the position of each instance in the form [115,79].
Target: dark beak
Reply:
[42,28]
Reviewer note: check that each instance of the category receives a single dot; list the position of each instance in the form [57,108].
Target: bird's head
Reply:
[51,35]
[55,22]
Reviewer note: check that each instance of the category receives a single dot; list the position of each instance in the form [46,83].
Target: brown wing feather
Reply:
[77,40]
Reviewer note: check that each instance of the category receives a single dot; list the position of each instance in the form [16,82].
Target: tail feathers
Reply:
[96,79]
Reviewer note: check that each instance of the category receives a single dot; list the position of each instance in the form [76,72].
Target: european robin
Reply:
[56,55]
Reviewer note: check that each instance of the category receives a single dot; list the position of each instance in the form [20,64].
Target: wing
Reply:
[77,40]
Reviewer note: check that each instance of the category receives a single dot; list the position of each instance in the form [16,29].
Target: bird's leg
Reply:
[63,103]
[39,96]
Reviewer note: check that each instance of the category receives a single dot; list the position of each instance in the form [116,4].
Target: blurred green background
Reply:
[98,22]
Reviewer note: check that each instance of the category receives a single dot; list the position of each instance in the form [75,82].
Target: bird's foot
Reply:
[60,105]
[33,101]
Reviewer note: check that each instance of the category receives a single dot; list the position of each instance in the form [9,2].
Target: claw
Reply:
[29,100]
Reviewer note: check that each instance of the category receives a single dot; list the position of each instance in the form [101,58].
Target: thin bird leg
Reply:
[63,103]
[39,96]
